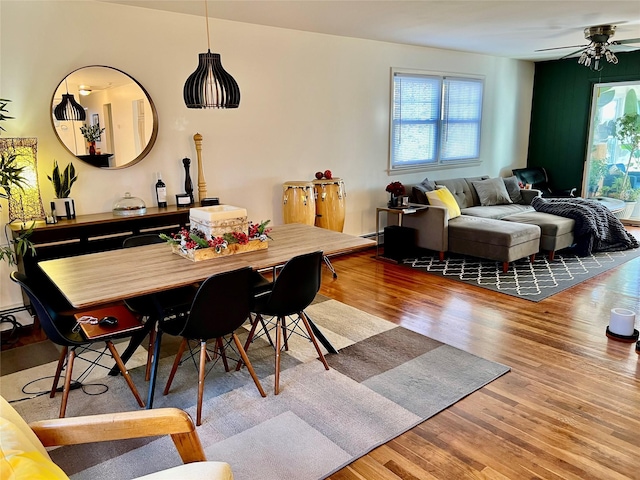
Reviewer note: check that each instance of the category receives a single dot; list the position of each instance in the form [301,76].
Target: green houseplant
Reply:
[62,183]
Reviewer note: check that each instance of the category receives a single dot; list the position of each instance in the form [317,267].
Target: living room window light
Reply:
[435,119]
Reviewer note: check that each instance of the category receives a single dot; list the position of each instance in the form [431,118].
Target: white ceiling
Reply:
[506,28]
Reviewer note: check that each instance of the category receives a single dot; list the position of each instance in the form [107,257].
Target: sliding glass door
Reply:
[612,167]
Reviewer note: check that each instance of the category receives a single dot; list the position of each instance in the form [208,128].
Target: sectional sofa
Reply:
[485,217]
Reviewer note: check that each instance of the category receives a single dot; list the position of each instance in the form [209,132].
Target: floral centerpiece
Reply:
[194,245]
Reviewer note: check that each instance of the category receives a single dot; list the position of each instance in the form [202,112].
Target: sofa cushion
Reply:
[513,188]
[497,211]
[461,191]
[492,192]
[418,191]
[442,198]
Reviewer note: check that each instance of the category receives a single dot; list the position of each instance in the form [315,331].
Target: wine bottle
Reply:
[161,192]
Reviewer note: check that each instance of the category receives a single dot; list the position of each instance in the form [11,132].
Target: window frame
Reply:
[440,123]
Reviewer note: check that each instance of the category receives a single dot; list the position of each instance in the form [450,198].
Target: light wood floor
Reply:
[569,408]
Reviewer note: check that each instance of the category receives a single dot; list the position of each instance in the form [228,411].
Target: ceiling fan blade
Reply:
[573,53]
[560,48]
[624,42]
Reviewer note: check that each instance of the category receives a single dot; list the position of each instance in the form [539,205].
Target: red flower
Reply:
[396,189]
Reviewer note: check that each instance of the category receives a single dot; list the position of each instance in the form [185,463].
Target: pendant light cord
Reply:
[206,13]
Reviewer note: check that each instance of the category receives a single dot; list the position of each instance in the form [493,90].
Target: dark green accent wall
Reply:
[560,113]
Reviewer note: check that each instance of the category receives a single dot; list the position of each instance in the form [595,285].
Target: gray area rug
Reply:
[385,380]
[525,280]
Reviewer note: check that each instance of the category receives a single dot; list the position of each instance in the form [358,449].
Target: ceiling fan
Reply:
[598,48]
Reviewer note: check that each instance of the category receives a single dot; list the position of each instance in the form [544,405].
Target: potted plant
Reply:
[628,134]
[91,134]
[62,183]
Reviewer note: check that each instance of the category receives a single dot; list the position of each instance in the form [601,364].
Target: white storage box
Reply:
[217,220]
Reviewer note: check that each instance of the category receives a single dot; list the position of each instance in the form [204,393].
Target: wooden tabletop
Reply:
[104,277]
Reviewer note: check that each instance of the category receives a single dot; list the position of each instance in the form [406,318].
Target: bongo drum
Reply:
[298,202]
[330,199]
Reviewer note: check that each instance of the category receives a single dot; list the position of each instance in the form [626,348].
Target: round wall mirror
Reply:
[104,117]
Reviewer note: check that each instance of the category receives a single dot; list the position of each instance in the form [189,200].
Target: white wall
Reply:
[309,102]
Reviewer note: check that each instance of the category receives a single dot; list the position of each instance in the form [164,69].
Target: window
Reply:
[435,120]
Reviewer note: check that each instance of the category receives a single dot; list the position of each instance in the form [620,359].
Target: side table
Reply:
[400,212]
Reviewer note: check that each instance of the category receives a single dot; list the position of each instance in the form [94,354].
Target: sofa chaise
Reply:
[485,217]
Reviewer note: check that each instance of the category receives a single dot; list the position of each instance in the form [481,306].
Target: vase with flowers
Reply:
[91,134]
[397,190]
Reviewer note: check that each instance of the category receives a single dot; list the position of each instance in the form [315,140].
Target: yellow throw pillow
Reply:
[442,197]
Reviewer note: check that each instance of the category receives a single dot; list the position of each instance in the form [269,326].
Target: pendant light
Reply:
[210,86]
[68,108]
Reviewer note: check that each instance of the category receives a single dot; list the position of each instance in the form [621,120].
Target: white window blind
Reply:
[435,120]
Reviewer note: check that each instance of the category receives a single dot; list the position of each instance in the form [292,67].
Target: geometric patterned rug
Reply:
[525,280]
[385,380]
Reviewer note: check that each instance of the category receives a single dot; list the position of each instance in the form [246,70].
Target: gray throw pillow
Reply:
[418,191]
[513,188]
[492,192]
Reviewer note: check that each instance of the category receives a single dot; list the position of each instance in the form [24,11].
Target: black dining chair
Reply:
[173,303]
[61,330]
[293,290]
[220,307]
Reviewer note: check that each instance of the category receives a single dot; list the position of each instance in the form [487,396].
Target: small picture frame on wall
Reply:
[95,120]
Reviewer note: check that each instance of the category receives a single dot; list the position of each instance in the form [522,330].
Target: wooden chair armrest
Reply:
[123,425]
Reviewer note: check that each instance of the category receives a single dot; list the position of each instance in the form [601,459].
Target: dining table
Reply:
[101,278]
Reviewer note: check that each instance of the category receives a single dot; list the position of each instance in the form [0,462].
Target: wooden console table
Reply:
[94,233]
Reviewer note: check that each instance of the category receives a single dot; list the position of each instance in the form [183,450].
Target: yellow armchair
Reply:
[23,454]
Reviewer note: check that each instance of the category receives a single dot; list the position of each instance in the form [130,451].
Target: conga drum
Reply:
[330,199]
[298,202]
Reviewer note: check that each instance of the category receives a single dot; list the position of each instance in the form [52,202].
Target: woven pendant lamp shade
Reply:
[210,86]
[69,109]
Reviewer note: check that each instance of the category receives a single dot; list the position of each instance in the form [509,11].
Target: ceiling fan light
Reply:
[69,109]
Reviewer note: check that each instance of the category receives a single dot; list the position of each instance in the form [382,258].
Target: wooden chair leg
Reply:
[276,387]
[245,359]
[532,258]
[284,333]
[505,267]
[220,349]
[152,339]
[303,316]
[552,255]
[67,382]
[56,378]
[252,332]
[125,372]
[176,363]
[203,362]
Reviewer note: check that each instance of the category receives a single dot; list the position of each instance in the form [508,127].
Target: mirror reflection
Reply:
[120,122]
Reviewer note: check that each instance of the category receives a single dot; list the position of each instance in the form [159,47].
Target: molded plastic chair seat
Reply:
[60,330]
[293,290]
[221,305]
